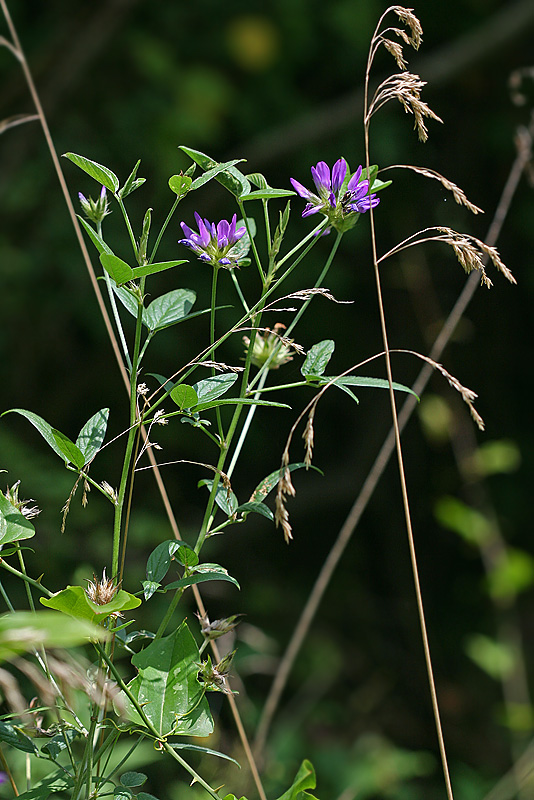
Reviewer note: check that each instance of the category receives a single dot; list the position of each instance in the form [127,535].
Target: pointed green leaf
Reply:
[231,178]
[13,525]
[184,396]
[74,601]
[243,401]
[160,266]
[132,183]
[373,383]
[46,430]
[60,742]
[268,194]
[97,240]
[267,484]
[206,750]
[100,173]
[128,300]
[255,508]
[169,308]
[119,270]
[160,559]
[211,388]
[56,783]
[167,687]
[71,453]
[318,357]
[213,573]
[92,434]
[304,779]
[212,173]
[16,738]
[259,180]
[225,498]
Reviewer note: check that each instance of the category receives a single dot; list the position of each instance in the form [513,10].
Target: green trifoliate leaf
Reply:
[231,178]
[97,171]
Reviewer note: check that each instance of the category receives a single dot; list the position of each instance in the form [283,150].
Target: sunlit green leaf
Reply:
[169,308]
[211,388]
[318,357]
[225,498]
[304,779]
[203,573]
[71,453]
[184,396]
[14,737]
[100,173]
[92,434]
[118,269]
[255,508]
[152,269]
[267,484]
[74,601]
[167,687]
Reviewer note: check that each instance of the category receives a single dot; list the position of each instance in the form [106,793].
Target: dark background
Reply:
[281,84]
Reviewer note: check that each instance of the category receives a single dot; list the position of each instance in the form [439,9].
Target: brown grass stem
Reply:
[302,627]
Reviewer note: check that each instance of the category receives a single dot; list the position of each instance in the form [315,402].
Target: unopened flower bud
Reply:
[95,210]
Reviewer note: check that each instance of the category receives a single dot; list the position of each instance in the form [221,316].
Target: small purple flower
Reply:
[338,202]
[213,243]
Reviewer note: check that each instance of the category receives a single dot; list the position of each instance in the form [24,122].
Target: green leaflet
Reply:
[92,434]
[318,357]
[167,687]
[97,171]
[304,779]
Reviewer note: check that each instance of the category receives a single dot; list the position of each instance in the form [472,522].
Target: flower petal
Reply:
[339,171]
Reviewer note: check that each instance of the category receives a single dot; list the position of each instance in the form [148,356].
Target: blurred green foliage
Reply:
[281,85]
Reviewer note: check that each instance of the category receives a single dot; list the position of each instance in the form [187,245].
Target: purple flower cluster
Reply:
[213,243]
[339,201]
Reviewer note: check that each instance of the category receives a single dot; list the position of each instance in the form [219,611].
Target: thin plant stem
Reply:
[246,426]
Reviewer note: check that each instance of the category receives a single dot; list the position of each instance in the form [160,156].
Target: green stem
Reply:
[129,226]
[304,306]
[162,231]
[168,614]
[212,341]
[252,242]
[246,426]
[131,438]
[24,577]
[239,292]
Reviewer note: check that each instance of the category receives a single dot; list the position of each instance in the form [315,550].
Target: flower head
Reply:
[214,243]
[271,346]
[12,494]
[95,210]
[340,201]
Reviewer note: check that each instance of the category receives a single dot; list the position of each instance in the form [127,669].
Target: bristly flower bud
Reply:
[101,592]
[271,346]
[212,630]
[95,210]
[12,494]
[214,676]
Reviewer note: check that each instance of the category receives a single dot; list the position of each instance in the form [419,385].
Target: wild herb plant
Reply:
[154,685]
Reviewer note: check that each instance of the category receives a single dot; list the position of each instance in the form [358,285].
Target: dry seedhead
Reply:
[271,347]
[470,252]
[66,508]
[285,488]
[406,88]
[102,591]
[457,193]
[308,437]
[219,366]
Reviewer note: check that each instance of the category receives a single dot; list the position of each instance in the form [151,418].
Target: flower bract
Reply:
[213,243]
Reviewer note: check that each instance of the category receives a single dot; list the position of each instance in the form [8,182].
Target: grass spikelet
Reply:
[457,193]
